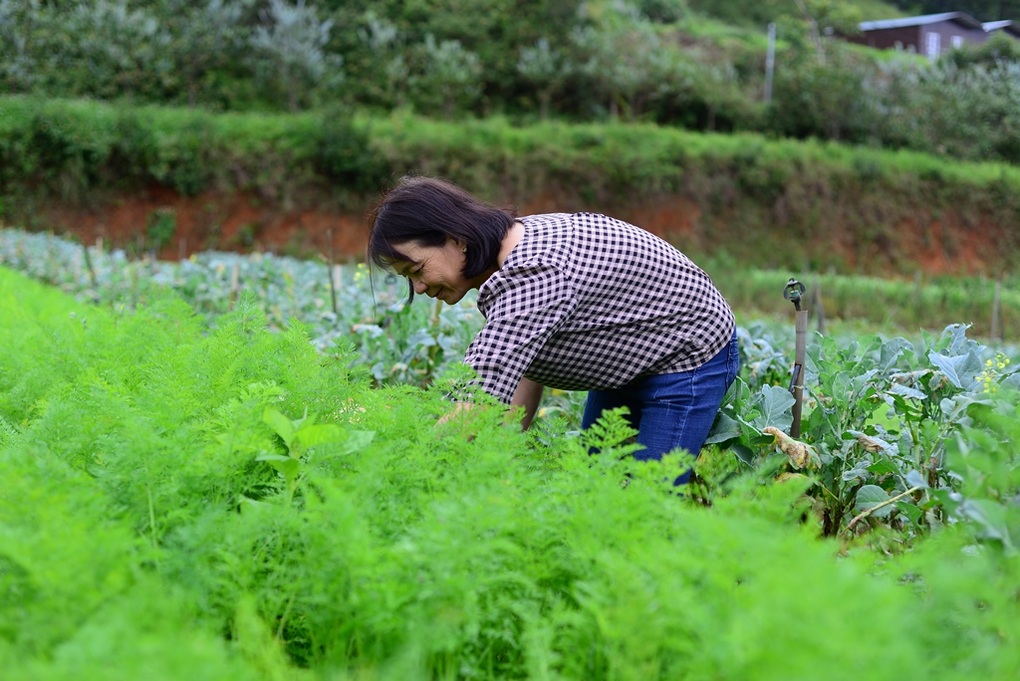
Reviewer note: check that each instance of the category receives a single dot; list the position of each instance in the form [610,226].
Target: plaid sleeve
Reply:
[529,305]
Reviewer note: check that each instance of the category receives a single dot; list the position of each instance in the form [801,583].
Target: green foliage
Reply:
[294,41]
[161,227]
[669,61]
[78,150]
[953,98]
[415,344]
[828,98]
[395,342]
[895,305]
[444,78]
[207,41]
[766,198]
[543,66]
[400,53]
[995,51]
[877,417]
[146,530]
[345,155]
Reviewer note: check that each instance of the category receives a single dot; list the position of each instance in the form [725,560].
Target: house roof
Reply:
[1011,27]
[904,22]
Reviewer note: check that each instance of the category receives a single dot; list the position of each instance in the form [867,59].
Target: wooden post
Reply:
[329,268]
[235,277]
[91,270]
[770,62]
[816,306]
[133,265]
[798,359]
[996,331]
[338,280]
[794,292]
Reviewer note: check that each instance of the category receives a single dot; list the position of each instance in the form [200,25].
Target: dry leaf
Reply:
[910,378]
[800,454]
[870,444]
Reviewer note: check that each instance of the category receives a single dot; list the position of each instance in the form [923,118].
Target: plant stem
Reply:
[284,616]
[152,514]
[892,500]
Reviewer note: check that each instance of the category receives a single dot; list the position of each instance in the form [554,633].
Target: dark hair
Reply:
[430,211]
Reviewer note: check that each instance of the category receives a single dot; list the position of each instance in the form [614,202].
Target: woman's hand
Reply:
[528,395]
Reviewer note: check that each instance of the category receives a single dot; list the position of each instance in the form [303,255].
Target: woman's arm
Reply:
[527,395]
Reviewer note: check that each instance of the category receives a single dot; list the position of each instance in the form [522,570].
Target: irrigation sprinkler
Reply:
[793,292]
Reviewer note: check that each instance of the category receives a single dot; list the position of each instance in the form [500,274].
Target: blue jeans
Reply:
[671,411]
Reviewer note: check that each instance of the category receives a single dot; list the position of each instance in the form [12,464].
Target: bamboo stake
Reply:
[133,266]
[996,332]
[338,277]
[235,276]
[799,356]
[793,292]
[329,268]
[91,270]
[816,306]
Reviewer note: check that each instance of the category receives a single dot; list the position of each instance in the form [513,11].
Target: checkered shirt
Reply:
[588,302]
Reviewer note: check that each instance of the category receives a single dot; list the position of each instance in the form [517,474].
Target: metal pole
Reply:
[793,292]
[770,62]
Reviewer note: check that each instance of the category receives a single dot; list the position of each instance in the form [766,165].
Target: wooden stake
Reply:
[816,306]
[92,272]
[996,330]
[329,268]
[798,384]
[235,278]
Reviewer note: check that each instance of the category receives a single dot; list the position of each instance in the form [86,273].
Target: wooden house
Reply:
[930,34]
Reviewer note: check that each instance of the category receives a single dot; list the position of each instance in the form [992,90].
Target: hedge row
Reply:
[751,192]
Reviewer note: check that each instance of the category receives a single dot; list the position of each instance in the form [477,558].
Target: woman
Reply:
[573,301]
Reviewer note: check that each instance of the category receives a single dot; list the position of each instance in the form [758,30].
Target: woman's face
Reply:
[435,271]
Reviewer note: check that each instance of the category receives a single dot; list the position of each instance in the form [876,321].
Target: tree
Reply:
[205,37]
[387,72]
[17,64]
[823,98]
[621,56]
[544,67]
[102,49]
[294,40]
[449,78]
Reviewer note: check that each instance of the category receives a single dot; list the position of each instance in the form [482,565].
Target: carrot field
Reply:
[232,468]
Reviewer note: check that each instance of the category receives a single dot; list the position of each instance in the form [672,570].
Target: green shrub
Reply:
[345,156]
[756,195]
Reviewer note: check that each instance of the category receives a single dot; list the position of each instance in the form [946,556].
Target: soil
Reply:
[242,222]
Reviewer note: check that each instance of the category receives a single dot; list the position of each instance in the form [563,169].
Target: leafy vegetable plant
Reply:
[878,415]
